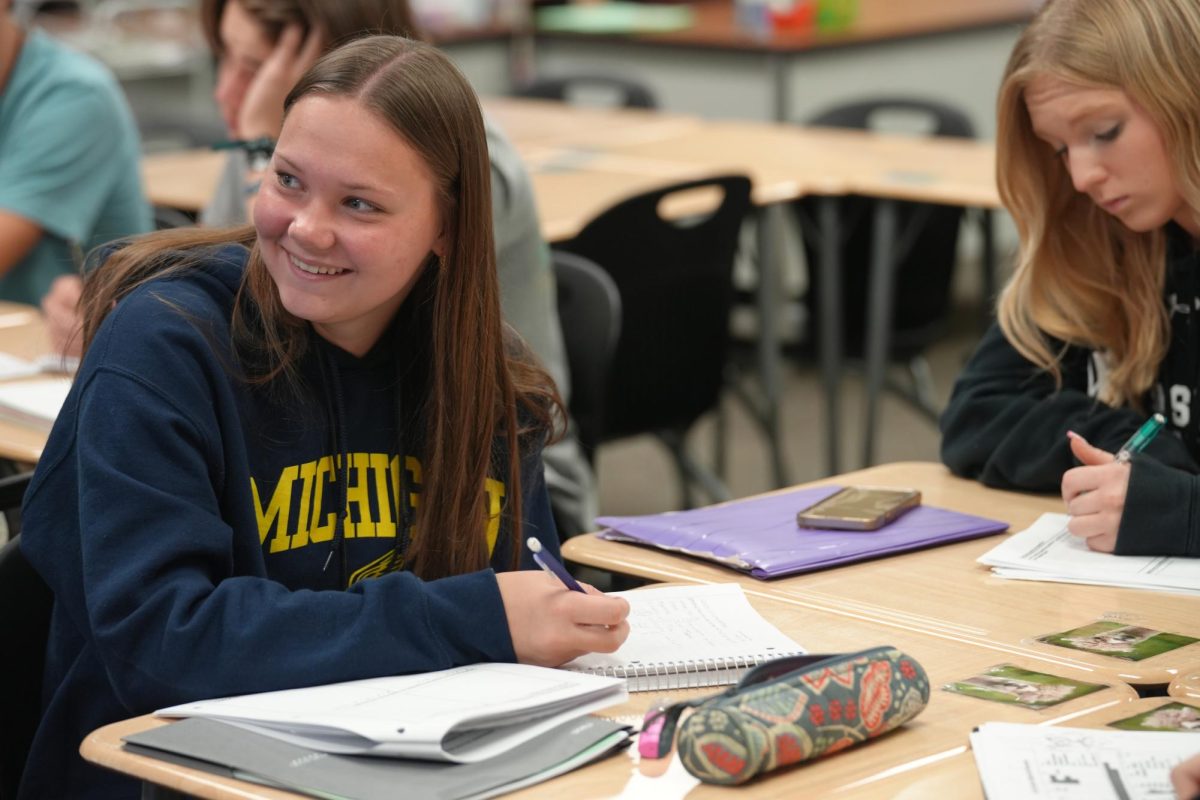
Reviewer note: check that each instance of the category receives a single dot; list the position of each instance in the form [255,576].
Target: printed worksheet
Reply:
[1047,551]
[1034,761]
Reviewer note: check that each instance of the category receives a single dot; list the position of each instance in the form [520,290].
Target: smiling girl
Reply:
[307,451]
[1098,161]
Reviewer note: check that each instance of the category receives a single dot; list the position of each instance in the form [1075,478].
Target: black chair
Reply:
[924,258]
[25,603]
[589,309]
[627,93]
[675,283]
[166,217]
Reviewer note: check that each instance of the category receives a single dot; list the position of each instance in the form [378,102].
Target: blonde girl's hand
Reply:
[1095,494]
[1186,779]
[261,113]
[550,624]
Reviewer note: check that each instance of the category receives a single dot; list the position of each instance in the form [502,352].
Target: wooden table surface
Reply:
[942,591]
[1187,684]
[879,768]
[584,160]
[22,334]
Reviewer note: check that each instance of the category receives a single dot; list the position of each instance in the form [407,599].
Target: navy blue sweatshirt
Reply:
[1006,423]
[184,518]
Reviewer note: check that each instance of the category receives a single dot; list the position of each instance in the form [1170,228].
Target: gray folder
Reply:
[227,749]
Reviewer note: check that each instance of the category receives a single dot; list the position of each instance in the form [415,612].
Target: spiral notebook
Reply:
[689,636]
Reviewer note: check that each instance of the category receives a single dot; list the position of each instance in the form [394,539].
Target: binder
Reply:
[233,751]
[760,536]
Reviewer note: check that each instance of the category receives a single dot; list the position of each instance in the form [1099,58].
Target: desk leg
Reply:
[771,221]
[831,328]
[879,318]
[781,85]
[987,226]
[152,791]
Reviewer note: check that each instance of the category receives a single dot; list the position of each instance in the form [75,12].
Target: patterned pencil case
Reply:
[790,710]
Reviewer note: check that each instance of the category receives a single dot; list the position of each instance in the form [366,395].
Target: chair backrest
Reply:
[926,268]
[628,93]
[676,284]
[166,217]
[589,309]
[25,604]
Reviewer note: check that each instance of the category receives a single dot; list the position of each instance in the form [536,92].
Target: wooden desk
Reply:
[882,767]
[22,334]
[942,591]
[1186,684]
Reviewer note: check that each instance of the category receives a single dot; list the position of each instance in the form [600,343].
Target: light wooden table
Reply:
[22,334]
[1186,684]
[875,770]
[942,591]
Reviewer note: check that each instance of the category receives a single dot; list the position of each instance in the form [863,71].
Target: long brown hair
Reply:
[478,385]
[1082,277]
[340,20]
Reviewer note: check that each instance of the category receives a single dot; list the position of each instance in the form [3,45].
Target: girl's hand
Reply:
[550,624]
[1095,494]
[261,113]
[1186,778]
[61,307]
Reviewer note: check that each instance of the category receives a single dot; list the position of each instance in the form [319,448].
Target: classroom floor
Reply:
[636,476]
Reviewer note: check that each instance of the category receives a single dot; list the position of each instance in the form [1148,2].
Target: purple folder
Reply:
[760,536]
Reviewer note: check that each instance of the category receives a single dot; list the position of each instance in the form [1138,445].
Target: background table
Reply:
[942,591]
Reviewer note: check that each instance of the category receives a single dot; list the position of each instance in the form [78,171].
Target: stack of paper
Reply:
[226,749]
[1021,761]
[34,403]
[463,715]
[1046,551]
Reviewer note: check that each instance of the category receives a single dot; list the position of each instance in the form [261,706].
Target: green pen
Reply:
[1141,437]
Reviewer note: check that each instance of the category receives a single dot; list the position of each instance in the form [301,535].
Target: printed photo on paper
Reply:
[1116,639]
[1006,683]
[1170,717]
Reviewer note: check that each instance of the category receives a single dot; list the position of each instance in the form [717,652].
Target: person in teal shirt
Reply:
[69,178]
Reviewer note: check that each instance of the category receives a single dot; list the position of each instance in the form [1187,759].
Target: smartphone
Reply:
[859,508]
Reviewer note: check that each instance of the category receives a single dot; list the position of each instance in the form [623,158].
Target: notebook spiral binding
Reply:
[668,675]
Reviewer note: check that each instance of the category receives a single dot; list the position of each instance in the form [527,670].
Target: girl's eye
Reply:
[286,180]
[1110,135]
[358,204]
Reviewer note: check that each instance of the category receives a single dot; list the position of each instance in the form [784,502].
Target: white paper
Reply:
[1017,762]
[677,629]
[464,714]
[35,403]
[1048,548]
[13,367]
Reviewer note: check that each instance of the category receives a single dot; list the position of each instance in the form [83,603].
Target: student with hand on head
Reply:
[69,176]
[1098,161]
[305,451]
[262,48]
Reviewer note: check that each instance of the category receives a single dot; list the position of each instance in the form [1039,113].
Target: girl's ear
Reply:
[439,245]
